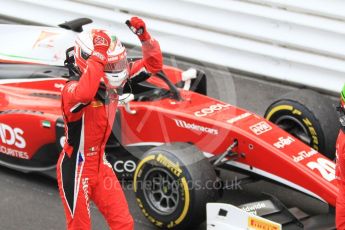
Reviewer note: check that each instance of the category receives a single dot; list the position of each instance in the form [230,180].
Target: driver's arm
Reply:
[152,60]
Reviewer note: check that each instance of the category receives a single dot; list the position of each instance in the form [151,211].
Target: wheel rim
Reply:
[161,191]
[295,127]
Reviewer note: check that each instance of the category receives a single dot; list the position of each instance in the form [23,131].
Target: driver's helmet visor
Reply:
[117,73]
[116,67]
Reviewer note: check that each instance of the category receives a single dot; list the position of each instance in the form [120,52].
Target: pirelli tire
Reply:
[172,184]
[309,116]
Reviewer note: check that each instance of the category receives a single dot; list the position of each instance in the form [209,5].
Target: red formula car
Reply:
[173,140]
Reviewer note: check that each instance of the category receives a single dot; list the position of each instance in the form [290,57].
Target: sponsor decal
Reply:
[59,86]
[325,167]
[253,208]
[255,223]
[125,166]
[12,136]
[192,126]
[238,118]
[211,109]
[312,131]
[113,58]
[304,155]
[99,55]
[91,154]
[93,151]
[72,87]
[13,152]
[260,128]
[45,40]
[100,41]
[173,167]
[151,218]
[85,184]
[282,142]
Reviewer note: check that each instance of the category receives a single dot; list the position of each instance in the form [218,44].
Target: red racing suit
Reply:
[83,172]
[340,173]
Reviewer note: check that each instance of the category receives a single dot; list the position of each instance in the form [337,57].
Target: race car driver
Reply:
[88,110]
[340,165]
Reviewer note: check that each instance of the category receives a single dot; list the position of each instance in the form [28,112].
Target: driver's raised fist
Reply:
[137,25]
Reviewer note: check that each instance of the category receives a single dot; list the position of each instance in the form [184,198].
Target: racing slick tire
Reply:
[172,184]
[309,116]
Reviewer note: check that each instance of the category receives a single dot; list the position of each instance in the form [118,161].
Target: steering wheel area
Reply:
[144,91]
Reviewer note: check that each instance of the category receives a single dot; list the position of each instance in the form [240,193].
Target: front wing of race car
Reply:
[268,214]
[222,216]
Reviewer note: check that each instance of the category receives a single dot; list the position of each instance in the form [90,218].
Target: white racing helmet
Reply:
[116,70]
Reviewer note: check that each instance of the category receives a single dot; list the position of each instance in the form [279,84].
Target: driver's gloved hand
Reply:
[101,43]
[138,27]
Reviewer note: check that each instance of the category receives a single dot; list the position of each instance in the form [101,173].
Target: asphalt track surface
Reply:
[31,201]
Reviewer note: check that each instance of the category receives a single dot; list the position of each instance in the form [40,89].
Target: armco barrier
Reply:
[295,41]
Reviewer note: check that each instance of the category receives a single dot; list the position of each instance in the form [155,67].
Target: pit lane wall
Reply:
[301,42]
